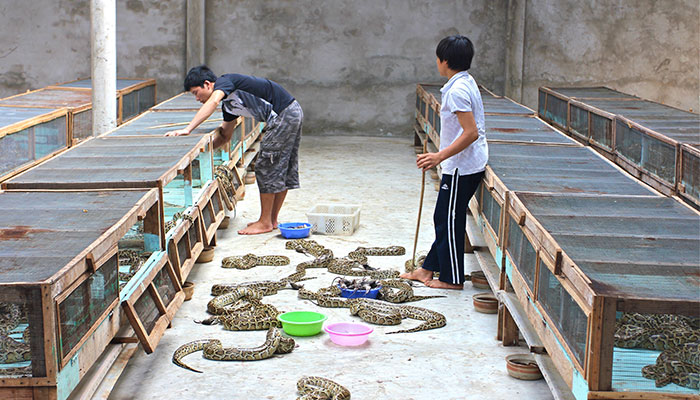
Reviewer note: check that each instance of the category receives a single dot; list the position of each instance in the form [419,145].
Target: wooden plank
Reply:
[109,381]
[554,380]
[518,314]
[599,349]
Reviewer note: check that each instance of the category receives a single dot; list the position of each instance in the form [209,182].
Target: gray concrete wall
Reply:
[648,48]
[353,65]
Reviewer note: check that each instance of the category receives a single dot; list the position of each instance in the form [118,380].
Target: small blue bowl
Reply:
[356,294]
[295,230]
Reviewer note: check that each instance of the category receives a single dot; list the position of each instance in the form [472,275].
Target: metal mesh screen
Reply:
[82,308]
[22,333]
[195,235]
[650,154]
[146,98]
[49,137]
[248,125]
[690,173]
[165,286]
[82,124]
[556,110]
[541,98]
[130,105]
[601,131]
[578,120]
[522,253]
[147,311]
[491,210]
[570,320]
[14,151]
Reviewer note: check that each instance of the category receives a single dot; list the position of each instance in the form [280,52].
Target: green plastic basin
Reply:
[302,323]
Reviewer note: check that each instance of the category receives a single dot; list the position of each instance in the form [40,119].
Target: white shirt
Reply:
[461,93]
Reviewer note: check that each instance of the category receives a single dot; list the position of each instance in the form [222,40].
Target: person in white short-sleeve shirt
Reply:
[463,156]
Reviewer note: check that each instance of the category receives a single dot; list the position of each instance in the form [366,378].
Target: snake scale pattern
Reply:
[11,350]
[318,388]
[677,338]
[212,349]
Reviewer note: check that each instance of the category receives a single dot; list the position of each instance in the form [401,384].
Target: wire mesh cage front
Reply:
[82,125]
[649,153]
[21,334]
[656,353]
[33,143]
[86,305]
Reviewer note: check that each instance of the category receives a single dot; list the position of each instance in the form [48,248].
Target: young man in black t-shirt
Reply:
[277,166]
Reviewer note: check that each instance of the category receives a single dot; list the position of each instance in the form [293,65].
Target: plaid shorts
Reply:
[277,165]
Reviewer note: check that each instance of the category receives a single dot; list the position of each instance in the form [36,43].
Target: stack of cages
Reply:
[29,136]
[178,167]
[134,95]
[78,104]
[645,138]
[610,282]
[648,144]
[62,276]
[553,107]
[177,111]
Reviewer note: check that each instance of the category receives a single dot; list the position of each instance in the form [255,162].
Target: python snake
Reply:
[251,260]
[212,349]
[11,350]
[679,365]
[317,388]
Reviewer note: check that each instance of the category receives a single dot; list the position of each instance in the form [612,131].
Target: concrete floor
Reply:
[462,360]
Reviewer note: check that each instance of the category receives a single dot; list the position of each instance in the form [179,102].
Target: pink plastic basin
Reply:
[348,333]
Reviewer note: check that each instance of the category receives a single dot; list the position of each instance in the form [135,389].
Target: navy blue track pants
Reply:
[446,255]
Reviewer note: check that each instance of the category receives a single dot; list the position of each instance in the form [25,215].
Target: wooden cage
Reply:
[553,103]
[79,105]
[649,147]
[29,136]
[60,273]
[134,95]
[580,263]
[180,167]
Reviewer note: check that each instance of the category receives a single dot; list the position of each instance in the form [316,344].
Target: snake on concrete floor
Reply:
[212,349]
[319,388]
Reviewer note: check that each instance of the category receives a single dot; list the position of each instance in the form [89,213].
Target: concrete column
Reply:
[195,41]
[515,47]
[103,43]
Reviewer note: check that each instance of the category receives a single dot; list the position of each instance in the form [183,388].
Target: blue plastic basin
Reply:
[354,294]
[295,230]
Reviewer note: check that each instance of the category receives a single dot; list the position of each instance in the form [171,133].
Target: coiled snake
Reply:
[318,388]
[11,350]
[376,311]
[679,365]
[251,260]
[212,349]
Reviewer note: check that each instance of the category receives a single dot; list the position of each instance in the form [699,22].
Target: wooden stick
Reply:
[182,123]
[420,208]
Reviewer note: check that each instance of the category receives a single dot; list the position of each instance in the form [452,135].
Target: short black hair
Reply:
[197,75]
[457,50]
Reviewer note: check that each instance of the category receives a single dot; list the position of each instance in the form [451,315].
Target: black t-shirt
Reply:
[251,96]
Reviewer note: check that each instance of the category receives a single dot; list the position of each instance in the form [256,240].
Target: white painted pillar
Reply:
[103,42]
[196,33]
[515,48]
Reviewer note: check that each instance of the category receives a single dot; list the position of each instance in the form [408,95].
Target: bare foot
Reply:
[274,224]
[438,284]
[256,228]
[420,274]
